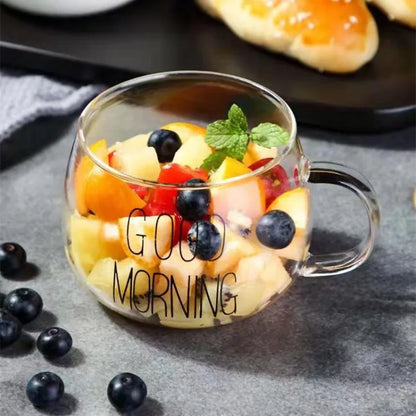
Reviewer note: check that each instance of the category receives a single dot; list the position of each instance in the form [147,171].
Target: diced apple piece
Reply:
[185,131]
[99,149]
[92,240]
[146,239]
[235,247]
[259,277]
[108,197]
[140,162]
[247,196]
[192,153]
[256,152]
[131,278]
[297,249]
[295,203]
[135,142]
[183,272]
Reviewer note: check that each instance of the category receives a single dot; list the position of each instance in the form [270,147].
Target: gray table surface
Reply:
[331,346]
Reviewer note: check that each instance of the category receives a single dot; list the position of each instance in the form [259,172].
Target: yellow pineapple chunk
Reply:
[192,153]
[92,240]
[235,247]
[146,239]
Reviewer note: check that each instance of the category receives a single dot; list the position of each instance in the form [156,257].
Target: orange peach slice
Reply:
[296,204]
[108,197]
[82,171]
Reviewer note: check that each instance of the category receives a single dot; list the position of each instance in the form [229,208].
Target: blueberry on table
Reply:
[54,342]
[204,240]
[126,392]
[193,204]
[25,304]
[12,258]
[44,389]
[166,143]
[275,229]
[10,328]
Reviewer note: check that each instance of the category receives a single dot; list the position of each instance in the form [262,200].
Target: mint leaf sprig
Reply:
[230,137]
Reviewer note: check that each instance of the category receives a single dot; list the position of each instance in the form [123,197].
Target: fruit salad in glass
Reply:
[218,236]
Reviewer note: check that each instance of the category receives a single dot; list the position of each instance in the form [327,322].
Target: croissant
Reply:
[330,35]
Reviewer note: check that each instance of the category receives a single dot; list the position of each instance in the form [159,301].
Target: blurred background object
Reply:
[65,7]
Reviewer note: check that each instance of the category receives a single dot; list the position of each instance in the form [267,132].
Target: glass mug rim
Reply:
[165,76]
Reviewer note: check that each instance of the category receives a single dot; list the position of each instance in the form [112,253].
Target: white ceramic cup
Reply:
[65,8]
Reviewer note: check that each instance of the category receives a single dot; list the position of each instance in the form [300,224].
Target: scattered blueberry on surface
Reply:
[193,204]
[44,389]
[126,392]
[204,240]
[10,328]
[54,342]
[275,229]
[25,304]
[12,258]
[166,143]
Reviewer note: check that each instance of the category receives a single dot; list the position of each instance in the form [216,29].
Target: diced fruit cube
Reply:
[92,240]
[256,152]
[258,278]
[297,249]
[235,248]
[177,268]
[99,149]
[135,142]
[108,197]
[192,153]
[296,204]
[138,162]
[146,239]
[132,278]
[186,131]
[229,169]
[246,196]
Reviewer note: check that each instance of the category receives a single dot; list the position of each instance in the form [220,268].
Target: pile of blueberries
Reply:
[126,391]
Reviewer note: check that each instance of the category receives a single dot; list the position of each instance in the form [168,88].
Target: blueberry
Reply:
[12,258]
[193,204]
[126,392]
[54,342]
[204,240]
[44,389]
[10,328]
[275,229]
[24,304]
[2,297]
[166,143]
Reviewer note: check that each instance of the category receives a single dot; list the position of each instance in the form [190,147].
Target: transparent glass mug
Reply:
[140,265]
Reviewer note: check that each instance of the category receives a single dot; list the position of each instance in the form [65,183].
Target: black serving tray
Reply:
[160,35]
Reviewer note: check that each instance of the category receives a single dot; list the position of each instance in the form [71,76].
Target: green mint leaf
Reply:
[218,134]
[237,118]
[238,146]
[214,160]
[269,135]
[223,135]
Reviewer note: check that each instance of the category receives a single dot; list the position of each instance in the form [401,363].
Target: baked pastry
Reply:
[334,36]
[403,11]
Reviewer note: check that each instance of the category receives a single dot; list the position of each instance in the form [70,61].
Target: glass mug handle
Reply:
[344,261]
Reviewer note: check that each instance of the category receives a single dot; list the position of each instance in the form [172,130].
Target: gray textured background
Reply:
[332,346]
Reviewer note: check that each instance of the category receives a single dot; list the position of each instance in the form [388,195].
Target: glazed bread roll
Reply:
[330,35]
[403,11]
